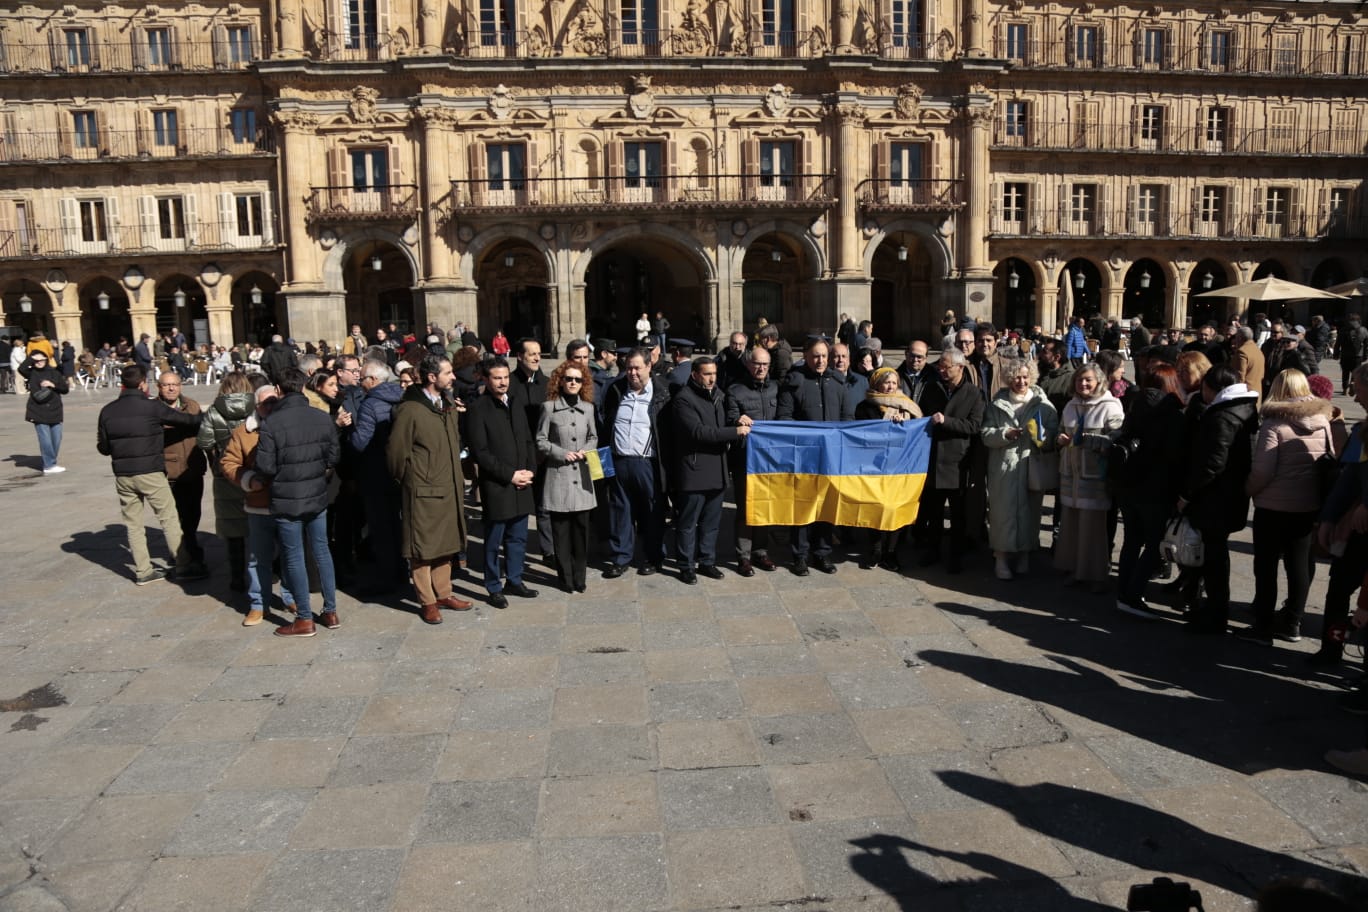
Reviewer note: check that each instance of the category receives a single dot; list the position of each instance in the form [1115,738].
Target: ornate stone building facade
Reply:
[558,168]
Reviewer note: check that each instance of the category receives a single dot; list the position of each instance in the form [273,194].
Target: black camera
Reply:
[1163,895]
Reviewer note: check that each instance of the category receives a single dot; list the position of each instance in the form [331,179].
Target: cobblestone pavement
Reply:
[854,742]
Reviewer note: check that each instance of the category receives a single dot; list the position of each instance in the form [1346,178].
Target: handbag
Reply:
[1120,458]
[1182,543]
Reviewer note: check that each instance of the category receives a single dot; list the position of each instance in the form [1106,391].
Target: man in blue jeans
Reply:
[297,451]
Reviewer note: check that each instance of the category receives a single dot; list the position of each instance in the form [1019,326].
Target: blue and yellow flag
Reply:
[867,474]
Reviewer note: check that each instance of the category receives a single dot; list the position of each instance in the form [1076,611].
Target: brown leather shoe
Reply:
[297,628]
[764,563]
[455,604]
[330,620]
[432,614]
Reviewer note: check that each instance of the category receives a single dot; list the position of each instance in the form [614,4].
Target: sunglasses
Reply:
[572,379]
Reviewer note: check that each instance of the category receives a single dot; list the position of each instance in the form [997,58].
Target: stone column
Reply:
[974,15]
[430,27]
[844,27]
[1047,307]
[142,308]
[291,30]
[298,173]
[218,302]
[973,245]
[66,314]
[848,291]
[437,127]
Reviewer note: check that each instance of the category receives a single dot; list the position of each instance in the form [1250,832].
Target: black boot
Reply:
[237,564]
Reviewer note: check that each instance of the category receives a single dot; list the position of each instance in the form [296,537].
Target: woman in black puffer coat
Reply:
[46,387]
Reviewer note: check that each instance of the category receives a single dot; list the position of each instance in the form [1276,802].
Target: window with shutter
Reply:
[1016,123]
[777,158]
[1151,136]
[1211,212]
[158,48]
[1276,211]
[1084,47]
[506,171]
[905,173]
[1282,131]
[1344,132]
[1285,54]
[642,163]
[908,29]
[85,133]
[94,226]
[1017,44]
[1015,196]
[1217,51]
[779,24]
[640,24]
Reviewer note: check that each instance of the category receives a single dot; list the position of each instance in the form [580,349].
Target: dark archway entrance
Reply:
[644,276]
[1207,275]
[181,305]
[256,314]
[1016,289]
[104,314]
[1146,291]
[513,294]
[1081,285]
[379,284]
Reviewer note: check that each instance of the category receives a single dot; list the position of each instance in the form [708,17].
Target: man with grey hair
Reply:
[310,364]
[379,496]
[1245,358]
[754,399]
[730,366]
[955,407]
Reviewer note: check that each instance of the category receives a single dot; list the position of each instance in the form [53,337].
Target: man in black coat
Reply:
[1318,337]
[914,374]
[276,358]
[731,366]
[698,464]
[142,354]
[130,432]
[814,392]
[296,453]
[631,425]
[502,443]
[955,408]
[1207,343]
[1214,498]
[755,399]
[527,392]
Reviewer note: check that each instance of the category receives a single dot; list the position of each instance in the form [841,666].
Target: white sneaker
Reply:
[55,470]
[1001,569]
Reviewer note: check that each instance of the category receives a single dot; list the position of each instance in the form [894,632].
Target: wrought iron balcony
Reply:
[1129,138]
[672,192]
[129,55]
[1296,224]
[885,195]
[125,145]
[1125,55]
[392,203]
[127,240]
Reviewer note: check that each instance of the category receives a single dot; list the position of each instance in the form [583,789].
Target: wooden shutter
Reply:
[69,211]
[192,232]
[1133,208]
[750,167]
[397,193]
[94,38]
[617,168]
[1102,219]
[112,225]
[1070,44]
[227,219]
[382,29]
[57,46]
[339,178]
[139,41]
[268,232]
[66,133]
[478,169]
[928,23]
[220,39]
[532,171]
[1139,45]
[1296,225]
[1063,213]
[1101,46]
[147,221]
[882,171]
[671,169]
[1233,214]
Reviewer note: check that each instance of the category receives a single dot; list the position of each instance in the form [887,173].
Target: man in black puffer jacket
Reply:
[131,433]
[698,463]
[277,357]
[297,451]
[754,399]
[813,392]
[1214,498]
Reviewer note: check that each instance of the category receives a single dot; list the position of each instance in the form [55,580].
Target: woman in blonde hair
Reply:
[884,401]
[1285,485]
[1084,436]
[1019,428]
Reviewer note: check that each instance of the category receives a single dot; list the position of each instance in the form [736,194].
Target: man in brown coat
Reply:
[424,456]
[185,467]
[1246,359]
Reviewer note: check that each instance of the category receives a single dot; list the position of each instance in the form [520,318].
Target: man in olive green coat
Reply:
[424,455]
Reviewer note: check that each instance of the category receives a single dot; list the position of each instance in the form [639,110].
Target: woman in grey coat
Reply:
[565,434]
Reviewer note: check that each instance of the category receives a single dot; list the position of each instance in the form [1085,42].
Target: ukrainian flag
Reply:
[867,474]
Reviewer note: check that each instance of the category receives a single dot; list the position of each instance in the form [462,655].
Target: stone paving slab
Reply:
[864,741]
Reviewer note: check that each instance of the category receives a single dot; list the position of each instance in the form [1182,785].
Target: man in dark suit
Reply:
[502,444]
[527,390]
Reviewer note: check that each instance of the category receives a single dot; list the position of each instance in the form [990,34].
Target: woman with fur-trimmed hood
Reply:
[1285,485]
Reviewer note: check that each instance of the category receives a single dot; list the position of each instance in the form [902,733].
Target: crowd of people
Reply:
[378,447]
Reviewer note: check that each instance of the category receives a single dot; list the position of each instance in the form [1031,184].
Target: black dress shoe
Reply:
[519,590]
[580,588]
[800,568]
[744,568]
[764,563]
[824,564]
[711,572]
[498,600]
[615,571]
[649,569]
[688,578]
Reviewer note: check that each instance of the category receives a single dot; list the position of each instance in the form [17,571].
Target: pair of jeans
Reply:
[261,547]
[49,442]
[700,519]
[1286,537]
[295,533]
[632,499]
[1145,520]
[510,537]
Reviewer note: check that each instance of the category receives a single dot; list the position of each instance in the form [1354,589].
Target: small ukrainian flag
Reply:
[866,474]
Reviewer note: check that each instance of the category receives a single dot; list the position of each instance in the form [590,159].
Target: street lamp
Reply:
[902,253]
[1079,281]
[776,255]
[1013,280]
[376,265]
[1207,280]
[25,303]
[179,297]
[256,294]
[508,260]
[102,299]
[1145,279]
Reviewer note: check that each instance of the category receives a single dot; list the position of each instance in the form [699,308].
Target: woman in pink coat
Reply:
[1284,483]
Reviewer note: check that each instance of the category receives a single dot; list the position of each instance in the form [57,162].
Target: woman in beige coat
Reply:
[1085,429]
[1285,486]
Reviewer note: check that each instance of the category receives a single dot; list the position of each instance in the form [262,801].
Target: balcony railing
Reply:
[1296,224]
[130,55]
[122,145]
[925,195]
[122,240]
[1123,55]
[1188,140]
[396,202]
[673,192]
